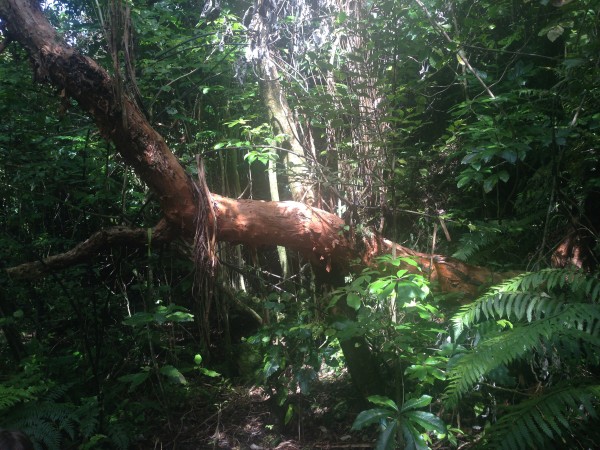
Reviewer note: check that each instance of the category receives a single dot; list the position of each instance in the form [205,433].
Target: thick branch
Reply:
[118,118]
[318,235]
[88,249]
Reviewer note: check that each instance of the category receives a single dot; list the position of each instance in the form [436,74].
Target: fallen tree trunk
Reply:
[315,233]
[318,235]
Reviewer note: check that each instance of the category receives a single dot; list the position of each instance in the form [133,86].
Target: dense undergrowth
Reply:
[463,128]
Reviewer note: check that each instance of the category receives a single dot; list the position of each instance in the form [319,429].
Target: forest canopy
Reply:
[376,220]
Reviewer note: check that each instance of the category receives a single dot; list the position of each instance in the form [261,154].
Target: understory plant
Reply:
[528,350]
[400,426]
[400,319]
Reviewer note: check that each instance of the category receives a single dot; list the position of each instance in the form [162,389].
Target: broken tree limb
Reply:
[119,236]
[317,234]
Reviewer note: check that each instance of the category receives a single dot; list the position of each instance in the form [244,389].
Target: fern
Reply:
[118,435]
[539,421]
[552,310]
[573,322]
[45,417]
[529,296]
[488,237]
[10,396]
[474,242]
[46,421]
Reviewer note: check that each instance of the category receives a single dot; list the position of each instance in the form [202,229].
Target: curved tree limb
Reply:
[118,118]
[317,234]
[86,250]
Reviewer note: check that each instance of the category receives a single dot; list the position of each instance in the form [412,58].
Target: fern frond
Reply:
[474,242]
[544,419]
[47,420]
[118,435]
[529,296]
[573,322]
[45,433]
[58,391]
[10,396]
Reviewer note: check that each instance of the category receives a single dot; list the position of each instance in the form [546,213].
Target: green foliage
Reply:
[46,412]
[290,355]
[10,396]
[552,416]
[376,288]
[400,319]
[536,295]
[406,420]
[398,131]
[552,313]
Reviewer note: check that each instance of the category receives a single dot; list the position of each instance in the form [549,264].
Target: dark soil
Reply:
[246,418]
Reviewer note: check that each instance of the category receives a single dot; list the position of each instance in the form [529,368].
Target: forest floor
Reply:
[245,418]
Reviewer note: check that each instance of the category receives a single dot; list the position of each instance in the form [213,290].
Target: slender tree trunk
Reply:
[273,187]
[280,114]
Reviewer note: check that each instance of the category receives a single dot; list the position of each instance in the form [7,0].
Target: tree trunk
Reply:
[280,114]
[315,233]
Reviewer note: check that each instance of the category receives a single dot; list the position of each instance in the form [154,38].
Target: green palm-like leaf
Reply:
[543,419]
[574,322]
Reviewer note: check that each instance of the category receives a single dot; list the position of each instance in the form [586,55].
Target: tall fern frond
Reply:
[571,322]
[10,396]
[544,419]
[534,316]
[529,296]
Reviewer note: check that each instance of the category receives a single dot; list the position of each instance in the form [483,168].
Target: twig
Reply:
[461,54]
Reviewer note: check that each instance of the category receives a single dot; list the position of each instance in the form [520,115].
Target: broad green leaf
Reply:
[353,300]
[412,438]
[509,155]
[407,290]
[173,374]
[139,319]
[370,416]
[427,420]
[289,414]
[555,32]
[135,378]
[379,285]
[180,316]
[401,273]
[417,371]
[380,400]
[489,183]
[210,373]
[387,438]
[463,181]
[409,261]
[416,403]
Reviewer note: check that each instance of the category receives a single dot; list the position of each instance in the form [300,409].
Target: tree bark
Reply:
[315,233]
